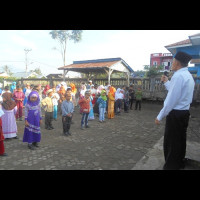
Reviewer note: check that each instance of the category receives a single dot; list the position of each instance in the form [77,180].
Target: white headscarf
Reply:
[118,94]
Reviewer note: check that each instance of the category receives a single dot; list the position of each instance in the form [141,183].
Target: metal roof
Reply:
[97,65]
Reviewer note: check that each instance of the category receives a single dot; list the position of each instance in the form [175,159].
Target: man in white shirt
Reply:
[176,110]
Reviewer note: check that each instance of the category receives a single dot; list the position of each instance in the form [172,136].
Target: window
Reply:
[155,63]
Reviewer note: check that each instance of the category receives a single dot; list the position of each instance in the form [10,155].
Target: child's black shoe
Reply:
[35,144]
[30,146]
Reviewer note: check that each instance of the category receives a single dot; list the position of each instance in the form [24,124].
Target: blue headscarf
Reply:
[35,103]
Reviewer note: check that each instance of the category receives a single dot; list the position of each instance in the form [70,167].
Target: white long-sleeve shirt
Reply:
[180,92]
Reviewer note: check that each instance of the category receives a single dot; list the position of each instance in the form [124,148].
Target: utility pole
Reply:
[26,52]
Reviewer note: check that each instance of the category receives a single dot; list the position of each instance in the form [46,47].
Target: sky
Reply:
[133,46]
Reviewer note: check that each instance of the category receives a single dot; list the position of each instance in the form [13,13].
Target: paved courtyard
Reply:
[118,144]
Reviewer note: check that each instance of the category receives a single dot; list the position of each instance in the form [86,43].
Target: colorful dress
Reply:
[33,115]
[91,114]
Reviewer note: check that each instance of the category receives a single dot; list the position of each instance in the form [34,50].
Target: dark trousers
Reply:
[138,102]
[48,119]
[118,105]
[126,105]
[131,103]
[66,123]
[175,139]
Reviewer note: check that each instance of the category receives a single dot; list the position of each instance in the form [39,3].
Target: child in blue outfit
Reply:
[102,106]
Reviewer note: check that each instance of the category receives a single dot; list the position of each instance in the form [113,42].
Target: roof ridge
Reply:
[97,60]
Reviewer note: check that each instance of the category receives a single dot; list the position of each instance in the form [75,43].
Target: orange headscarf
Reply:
[62,90]
[73,87]
[112,91]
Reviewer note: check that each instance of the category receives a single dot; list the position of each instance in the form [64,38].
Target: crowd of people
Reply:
[60,99]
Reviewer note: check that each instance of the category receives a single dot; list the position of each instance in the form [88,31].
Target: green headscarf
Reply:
[103,97]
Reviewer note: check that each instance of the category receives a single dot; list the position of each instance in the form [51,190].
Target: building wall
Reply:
[161,59]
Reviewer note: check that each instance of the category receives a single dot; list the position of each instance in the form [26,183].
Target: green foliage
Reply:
[7,69]
[139,73]
[152,71]
[61,36]
[37,71]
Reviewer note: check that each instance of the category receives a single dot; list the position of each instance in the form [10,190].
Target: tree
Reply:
[37,71]
[62,36]
[6,69]
[152,71]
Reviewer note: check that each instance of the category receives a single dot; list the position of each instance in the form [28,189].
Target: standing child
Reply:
[126,100]
[48,108]
[131,96]
[118,100]
[55,97]
[74,91]
[8,119]
[2,149]
[138,97]
[19,96]
[91,114]
[33,120]
[13,87]
[102,106]
[111,102]
[26,91]
[85,108]
[67,113]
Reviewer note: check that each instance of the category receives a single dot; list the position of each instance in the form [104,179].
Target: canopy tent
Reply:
[108,66]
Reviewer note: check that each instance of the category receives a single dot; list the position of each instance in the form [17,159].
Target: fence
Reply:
[152,88]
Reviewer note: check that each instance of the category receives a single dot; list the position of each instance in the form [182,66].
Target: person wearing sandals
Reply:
[33,120]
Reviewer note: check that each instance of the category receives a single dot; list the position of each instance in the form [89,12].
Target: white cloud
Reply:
[23,42]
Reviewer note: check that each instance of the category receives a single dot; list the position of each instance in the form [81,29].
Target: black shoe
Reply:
[30,146]
[16,137]
[35,144]
[51,127]
[4,154]
[87,126]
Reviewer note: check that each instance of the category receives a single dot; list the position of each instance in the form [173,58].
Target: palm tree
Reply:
[7,69]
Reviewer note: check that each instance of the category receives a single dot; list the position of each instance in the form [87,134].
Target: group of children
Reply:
[61,99]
